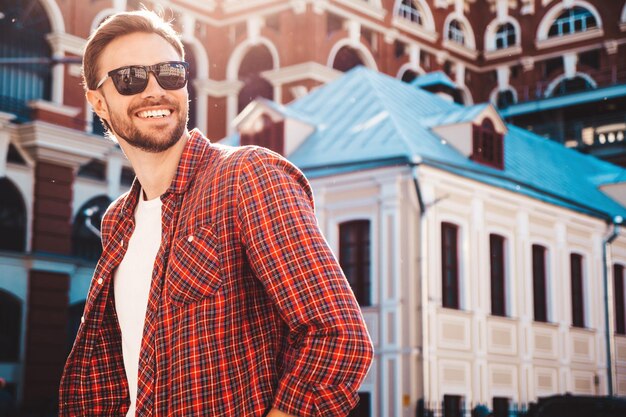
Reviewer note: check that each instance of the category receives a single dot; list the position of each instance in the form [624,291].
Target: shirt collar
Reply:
[193,152]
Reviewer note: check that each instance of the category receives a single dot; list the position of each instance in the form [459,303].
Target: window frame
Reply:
[456,32]
[619,299]
[361,282]
[410,12]
[498,276]
[487,144]
[577,289]
[505,37]
[540,283]
[450,277]
[572,17]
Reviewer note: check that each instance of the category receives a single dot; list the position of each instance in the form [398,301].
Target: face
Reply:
[153,120]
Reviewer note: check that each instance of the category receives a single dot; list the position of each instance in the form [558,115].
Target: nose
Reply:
[153,89]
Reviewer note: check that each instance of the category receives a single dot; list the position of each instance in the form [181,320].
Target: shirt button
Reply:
[82,319]
[100,281]
[190,238]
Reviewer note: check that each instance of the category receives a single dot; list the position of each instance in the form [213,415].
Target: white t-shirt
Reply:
[132,287]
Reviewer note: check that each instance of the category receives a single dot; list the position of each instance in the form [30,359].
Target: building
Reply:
[535,60]
[476,248]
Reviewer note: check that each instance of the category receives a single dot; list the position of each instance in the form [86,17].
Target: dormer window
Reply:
[488,145]
[267,133]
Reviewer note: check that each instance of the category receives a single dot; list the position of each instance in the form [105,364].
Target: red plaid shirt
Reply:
[248,308]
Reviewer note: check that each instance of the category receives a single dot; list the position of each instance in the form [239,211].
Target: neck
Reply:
[155,171]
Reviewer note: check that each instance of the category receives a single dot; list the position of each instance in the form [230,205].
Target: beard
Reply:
[124,128]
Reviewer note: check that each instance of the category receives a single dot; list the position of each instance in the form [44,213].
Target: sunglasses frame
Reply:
[149,69]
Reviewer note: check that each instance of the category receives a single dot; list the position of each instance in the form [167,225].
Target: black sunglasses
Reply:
[133,79]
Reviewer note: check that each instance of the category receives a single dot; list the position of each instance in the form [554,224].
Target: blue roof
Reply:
[366,119]
[433,78]
[558,102]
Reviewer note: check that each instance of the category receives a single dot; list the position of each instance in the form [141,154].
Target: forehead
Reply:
[136,49]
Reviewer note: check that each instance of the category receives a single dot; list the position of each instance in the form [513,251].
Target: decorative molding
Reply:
[460,49]
[501,53]
[61,145]
[414,29]
[233,6]
[365,7]
[308,70]
[54,108]
[66,43]
[216,88]
[567,39]
[204,5]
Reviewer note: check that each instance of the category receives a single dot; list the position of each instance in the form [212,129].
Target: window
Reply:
[10,325]
[620,305]
[364,407]
[456,33]
[256,60]
[539,283]
[571,85]
[501,407]
[408,10]
[498,277]
[354,257]
[24,81]
[488,145]
[505,99]
[450,265]
[86,242]
[271,135]
[452,406]
[578,305]
[505,36]
[12,218]
[574,20]
[346,59]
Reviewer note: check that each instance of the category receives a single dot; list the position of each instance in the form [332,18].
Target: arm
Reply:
[289,255]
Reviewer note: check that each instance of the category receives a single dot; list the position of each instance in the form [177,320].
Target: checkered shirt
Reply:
[248,307]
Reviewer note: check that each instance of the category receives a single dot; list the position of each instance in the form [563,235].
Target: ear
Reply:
[98,103]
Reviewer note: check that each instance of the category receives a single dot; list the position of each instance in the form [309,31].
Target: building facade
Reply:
[535,60]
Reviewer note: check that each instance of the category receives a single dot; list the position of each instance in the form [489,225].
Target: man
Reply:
[215,294]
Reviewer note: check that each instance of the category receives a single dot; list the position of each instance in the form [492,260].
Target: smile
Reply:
[151,114]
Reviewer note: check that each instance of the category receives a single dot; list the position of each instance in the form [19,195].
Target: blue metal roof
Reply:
[565,100]
[366,119]
[433,78]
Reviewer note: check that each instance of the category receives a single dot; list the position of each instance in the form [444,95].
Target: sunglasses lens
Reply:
[130,80]
[171,75]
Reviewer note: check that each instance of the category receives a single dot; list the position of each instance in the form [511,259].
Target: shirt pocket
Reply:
[194,271]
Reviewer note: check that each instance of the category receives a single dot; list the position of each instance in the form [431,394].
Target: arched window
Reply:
[73,323]
[488,145]
[407,9]
[12,217]
[572,85]
[354,257]
[29,76]
[409,75]
[257,60]
[86,242]
[10,327]
[505,36]
[504,99]
[193,96]
[574,20]
[456,32]
[346,59]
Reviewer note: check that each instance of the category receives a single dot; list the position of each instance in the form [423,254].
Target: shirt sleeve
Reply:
[288,253]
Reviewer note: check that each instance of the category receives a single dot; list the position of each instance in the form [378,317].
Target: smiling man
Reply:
[216,293]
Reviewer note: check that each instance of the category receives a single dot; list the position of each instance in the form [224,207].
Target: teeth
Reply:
[154,113]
